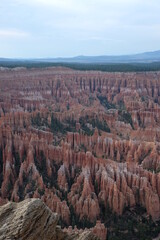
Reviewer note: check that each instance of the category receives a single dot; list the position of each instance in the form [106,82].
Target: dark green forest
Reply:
[109,67]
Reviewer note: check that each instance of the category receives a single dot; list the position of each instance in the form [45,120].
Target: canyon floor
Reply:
[87,144]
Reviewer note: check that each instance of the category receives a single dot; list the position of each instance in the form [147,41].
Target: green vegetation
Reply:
[39,121]
[108,67]
[17,160]
[143,99]
[132,229]
[40,162]
[121,105]
[132,225]
[87,130]
[68,106]
[95,122]
[83,148]
[152,169]
[56,126]
[100,125]
[22,187]
[125,116]
[70,125]
[91,100]
[81,224]
[104,101]
[83,121]
[41,191]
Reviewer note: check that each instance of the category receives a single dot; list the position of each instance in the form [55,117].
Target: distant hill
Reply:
[146,57]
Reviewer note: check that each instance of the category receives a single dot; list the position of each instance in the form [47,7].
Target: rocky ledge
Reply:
[31,219]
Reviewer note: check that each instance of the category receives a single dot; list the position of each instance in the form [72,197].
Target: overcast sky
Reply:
[64,28]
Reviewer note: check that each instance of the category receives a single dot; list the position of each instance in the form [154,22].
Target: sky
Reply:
[66,28]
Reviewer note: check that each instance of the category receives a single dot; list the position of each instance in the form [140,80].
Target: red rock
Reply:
[120,167]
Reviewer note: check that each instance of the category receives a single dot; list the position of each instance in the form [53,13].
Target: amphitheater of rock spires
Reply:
[82,142]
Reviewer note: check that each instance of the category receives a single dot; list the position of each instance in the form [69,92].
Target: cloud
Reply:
[75,27]
[13,33]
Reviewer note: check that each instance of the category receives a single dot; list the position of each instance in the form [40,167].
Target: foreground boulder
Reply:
[31,219]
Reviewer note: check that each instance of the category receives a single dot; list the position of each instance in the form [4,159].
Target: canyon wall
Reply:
[80,141]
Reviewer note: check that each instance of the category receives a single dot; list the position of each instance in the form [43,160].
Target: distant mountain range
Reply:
[146,57]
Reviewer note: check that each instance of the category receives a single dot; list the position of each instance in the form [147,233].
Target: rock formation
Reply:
[31,220]
[80,141]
